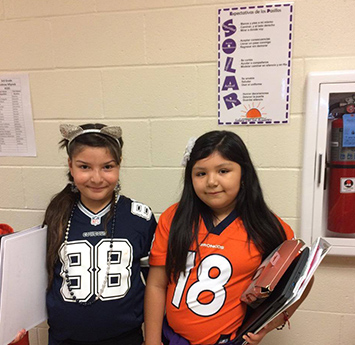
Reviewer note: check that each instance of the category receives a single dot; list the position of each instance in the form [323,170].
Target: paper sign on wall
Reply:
[254,64]
[16,124]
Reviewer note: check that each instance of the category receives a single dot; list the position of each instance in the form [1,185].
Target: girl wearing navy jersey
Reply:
[98,241]
[208,246]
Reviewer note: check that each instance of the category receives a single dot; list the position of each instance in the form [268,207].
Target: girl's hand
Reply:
[254,339]
[19,336]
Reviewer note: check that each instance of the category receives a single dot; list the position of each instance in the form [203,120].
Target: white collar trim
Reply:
[95,217]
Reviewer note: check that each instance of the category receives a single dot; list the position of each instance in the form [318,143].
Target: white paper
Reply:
[318,250]
[16,124]
[23,282]
[254,64]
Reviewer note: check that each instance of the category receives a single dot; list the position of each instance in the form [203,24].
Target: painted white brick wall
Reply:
[150,66]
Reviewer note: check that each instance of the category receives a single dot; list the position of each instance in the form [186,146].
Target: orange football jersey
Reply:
[204,305]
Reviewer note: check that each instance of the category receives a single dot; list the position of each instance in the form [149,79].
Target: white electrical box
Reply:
[328,177]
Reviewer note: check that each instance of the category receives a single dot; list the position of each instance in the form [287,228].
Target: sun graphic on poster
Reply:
[252,111]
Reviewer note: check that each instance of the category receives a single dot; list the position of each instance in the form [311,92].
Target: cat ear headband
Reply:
[70,132]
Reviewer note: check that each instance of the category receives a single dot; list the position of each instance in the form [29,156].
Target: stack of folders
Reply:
[23,281]
[287,291]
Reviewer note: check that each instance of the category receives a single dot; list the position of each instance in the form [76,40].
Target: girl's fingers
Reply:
[19,336]
[254,339]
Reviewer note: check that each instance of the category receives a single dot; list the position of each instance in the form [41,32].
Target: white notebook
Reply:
[23,281]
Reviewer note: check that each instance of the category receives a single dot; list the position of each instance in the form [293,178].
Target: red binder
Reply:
[270,272]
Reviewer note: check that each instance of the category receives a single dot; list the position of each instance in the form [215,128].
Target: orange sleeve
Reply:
[160,244]
[290,235]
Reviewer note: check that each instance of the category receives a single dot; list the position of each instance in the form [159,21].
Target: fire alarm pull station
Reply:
[328,176]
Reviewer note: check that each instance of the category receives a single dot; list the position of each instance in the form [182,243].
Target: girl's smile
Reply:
[216,182]
[95,174]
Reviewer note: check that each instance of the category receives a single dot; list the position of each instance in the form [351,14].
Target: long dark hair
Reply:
[59,209]
[262,226]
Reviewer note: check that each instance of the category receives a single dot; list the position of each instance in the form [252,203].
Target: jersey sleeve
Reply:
[144,260]
[151,230]
[160,243]
[290,235]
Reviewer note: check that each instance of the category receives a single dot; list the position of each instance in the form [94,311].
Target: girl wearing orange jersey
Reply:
[208,246]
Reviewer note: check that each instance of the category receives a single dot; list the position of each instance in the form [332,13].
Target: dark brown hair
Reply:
[262,226]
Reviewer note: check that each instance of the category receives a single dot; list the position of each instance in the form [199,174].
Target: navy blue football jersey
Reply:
[120,307]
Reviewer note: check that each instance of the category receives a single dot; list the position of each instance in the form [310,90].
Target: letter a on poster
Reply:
[254,64]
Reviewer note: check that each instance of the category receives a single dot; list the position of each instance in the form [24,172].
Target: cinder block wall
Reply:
[150,66]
